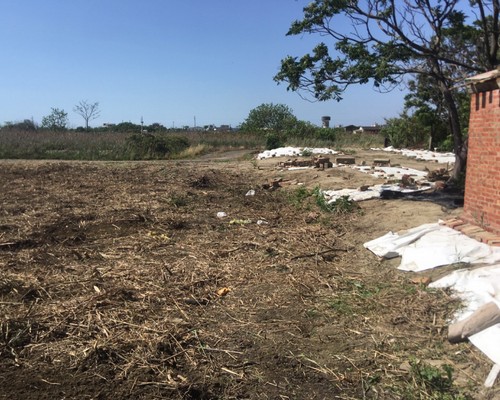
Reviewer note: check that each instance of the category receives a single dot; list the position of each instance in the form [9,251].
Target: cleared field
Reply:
[118,280]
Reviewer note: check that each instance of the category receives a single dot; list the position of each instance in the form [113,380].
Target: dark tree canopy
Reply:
[269,116]
[25,125]
[386,41]
[57,120]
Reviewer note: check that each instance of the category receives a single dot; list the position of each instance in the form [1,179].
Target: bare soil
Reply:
[119,281]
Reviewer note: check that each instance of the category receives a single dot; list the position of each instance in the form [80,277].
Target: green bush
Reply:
[306,153]
[152,147]
[429,382]
[406,131]
[327,134]
[302,129]
[273,141]
[342,205]
[446,144]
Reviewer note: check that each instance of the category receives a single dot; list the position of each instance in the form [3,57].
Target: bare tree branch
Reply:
[88,111]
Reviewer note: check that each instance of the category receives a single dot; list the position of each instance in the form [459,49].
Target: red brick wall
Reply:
[482,183]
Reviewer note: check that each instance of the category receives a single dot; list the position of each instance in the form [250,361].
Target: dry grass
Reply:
[194,151]
[113,279]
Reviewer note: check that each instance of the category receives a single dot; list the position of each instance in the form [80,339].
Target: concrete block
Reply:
[382,161]
[345,160]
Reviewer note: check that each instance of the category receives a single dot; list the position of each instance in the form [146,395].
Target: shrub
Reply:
[306,153]
[150,147]
[327,134]
[446,144]
[342,205]
[429,382]
[273,141]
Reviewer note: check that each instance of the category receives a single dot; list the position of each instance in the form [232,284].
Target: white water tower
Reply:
[325,121]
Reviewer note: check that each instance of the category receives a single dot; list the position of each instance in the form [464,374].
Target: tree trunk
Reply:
[460,162]
[459,146]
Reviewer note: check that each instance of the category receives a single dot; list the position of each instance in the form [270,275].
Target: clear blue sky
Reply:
[165,60]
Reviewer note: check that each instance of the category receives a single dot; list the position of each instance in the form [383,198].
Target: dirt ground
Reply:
[119,281]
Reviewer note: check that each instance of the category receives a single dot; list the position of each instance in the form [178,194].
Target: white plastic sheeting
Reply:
[392,172]
[477,287]
[352,194]
[422,154]
[293,152]
[418,154]
[395,173]
[372,192]
[432,245]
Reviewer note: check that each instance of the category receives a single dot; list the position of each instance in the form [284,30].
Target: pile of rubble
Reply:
[441,174]
[315,162]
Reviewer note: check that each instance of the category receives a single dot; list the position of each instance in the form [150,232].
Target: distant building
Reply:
[374,129]
[350,128]
[224,128]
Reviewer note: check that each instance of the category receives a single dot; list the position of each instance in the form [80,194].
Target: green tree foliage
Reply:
[270,117]
[156,127]
[426,104]
[27,125]
[125,127]
[57,120]
[274,140]
[148,146]
[88,111]
[406,131]
[425,119]
[386,41]
[278,124]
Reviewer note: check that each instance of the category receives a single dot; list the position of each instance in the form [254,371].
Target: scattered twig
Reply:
[319,253]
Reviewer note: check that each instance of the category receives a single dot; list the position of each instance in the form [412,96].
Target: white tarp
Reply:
[477,287]
[372,192]
[392,172]
[426,155]
[294,152]
[418,154]
[432,245]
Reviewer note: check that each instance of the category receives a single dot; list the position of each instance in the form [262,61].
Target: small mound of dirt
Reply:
[202,182]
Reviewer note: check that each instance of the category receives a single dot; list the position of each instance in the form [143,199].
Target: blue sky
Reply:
[167,61]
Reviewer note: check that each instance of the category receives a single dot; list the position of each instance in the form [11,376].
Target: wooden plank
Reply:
[484,317]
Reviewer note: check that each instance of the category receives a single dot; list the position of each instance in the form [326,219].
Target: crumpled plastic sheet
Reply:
[393,172]
[430,246]
[371,193]
[293,152]
[433,245]
[477,287]
[422,154]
